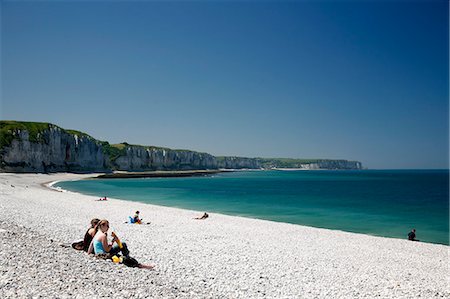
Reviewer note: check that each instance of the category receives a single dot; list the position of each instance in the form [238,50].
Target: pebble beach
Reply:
[220,257]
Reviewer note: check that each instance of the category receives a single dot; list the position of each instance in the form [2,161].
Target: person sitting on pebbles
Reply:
[100,246]
[84,244]
[136,218]
[90,233]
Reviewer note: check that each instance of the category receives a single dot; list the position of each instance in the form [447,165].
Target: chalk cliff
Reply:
[51,150]
[238,163]
[139,158]
[44,147]
[333,164]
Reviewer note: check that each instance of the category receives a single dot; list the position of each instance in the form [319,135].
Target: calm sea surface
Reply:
[383,203]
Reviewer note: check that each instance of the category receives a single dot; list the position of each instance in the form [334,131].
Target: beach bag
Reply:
[78,245]
[130,262]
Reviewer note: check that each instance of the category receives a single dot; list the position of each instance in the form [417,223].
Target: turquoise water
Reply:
[382,203]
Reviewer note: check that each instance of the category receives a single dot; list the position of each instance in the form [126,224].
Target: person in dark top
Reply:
[90,233]
[136,218]
[412,235]
[204,216]
[86,241]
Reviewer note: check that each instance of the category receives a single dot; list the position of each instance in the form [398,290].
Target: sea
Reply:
[387,203]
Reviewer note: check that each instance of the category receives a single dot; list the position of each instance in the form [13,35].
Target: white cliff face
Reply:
[56,151]
[239,163]
[138,158]
[332,164]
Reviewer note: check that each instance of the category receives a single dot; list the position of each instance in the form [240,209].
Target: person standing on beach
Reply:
[412,235]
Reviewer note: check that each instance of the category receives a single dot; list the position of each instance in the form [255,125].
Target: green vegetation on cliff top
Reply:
[289,162]
[114,151]
[125,144]
[285,162]
[9,131]
[10,128]
[282,162]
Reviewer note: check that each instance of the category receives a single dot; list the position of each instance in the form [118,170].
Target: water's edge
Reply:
[58,188]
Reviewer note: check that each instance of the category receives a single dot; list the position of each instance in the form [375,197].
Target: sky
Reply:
[356,80]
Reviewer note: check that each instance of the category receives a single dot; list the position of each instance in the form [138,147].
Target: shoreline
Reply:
[157,174]
[223,256]
[50,184]
[266,217]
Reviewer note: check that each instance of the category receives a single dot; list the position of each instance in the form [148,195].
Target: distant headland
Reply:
[45,147]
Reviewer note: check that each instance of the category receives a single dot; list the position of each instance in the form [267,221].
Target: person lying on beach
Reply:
[102,199]
[101,247]
[84,244]
[412,235]
[204,216]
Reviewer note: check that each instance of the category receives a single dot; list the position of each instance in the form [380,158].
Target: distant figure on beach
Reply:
[102,198]
[412,235]
[204,216]
[100,246]
[136,218]
[84,244]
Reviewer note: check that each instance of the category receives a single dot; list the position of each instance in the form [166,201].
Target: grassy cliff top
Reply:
[123,145]
[282,162]
[293,160]
[9,128]
[292,163]
[279,161]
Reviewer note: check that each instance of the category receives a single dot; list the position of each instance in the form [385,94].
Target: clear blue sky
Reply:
[360,80]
